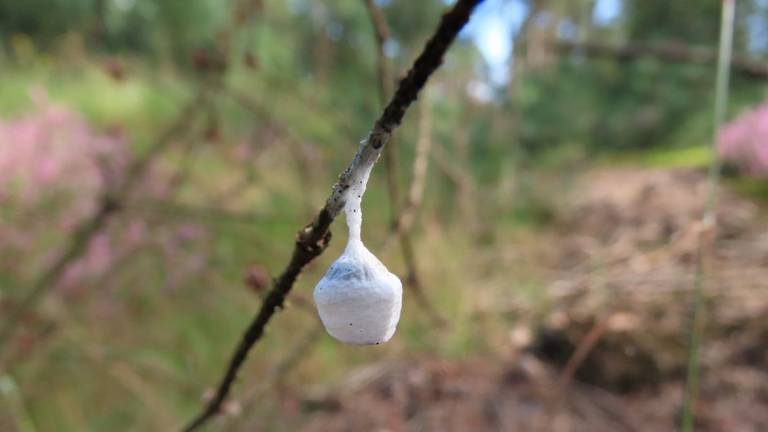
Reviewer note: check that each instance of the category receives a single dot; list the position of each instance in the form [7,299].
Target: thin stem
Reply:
[110,203]
[313,239]
[721,99]
[398,219]
[420,165]
[277,373]
[745,66]
[698,319]
[384,78]
[407,216]
[585,346]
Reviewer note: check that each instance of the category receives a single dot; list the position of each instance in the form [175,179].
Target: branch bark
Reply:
[313,239]
[420,165]
[413,280]
[672,52]
[384,77]
[278,372]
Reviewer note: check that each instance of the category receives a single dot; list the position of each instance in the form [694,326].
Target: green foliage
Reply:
[59,17]
[159,27]
[135,355]
[661,20]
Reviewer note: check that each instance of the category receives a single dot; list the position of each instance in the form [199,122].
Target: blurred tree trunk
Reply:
[507,178]
[669,52]
[519,48]
[99,31]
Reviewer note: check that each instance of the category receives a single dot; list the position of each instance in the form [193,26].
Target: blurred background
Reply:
[158,157]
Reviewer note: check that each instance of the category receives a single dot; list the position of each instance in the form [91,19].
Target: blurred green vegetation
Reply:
[134,353]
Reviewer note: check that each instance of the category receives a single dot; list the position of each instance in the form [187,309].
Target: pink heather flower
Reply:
[53,150]
[744,141]
[136,232]
[54,168]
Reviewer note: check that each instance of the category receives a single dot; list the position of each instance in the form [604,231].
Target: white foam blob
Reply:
[358,299]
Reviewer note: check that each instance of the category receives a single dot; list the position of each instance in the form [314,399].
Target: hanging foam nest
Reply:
[358,299]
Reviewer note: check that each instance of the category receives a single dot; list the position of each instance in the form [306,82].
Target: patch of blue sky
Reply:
[606,12]
[491,29]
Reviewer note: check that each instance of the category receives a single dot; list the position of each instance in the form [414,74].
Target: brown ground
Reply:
[625,271]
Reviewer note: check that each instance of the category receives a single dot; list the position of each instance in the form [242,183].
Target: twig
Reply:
[408,215]
[420,164]
[453,172]
[709,222]
[111,200]
[281,368]
[671,52]
[385,81]
[109,204]
[418,177]
[413,280]
[303,163]
[312,240]
[583,349]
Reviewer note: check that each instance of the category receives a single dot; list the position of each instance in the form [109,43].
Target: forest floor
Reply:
[621,299]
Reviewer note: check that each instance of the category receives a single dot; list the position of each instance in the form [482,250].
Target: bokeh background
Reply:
[158,156]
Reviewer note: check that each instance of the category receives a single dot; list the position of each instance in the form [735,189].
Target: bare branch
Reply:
[413,280]
[381,32]
[419,173]
[312,240]
[278,372]
[672,52]
[110,203]
[408,215]
[385,81]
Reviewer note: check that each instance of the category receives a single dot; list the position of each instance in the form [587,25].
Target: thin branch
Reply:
[111,200]
[384,78]
[709,222]
[575,361]
[303,162]
[453,172]
[382,35]
[420,165]
[671,52]
[413,280]
[408,215]
[312,240]
[110,203]
[585,346]
[278,372]
[418,176]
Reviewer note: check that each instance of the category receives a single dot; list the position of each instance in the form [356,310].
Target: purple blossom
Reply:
[744,141]
[54,168]
[53,151]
